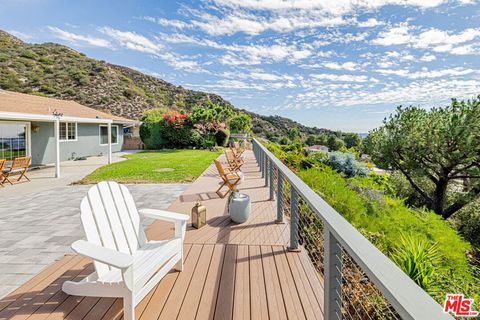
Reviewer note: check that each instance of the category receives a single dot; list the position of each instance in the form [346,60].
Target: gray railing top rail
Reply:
[408,299]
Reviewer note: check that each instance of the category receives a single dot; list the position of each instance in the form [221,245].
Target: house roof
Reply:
[40,107]
[316,147]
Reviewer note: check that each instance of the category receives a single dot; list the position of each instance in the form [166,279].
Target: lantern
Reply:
[199,215]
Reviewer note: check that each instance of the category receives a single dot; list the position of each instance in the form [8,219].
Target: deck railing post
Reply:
[279,197]
[262,162]
[266,170]
[272,195]
[333,277]
[293,219]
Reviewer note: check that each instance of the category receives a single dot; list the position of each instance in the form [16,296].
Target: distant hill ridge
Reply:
[58,71]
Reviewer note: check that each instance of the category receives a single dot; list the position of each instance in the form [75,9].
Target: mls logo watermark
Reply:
[459,306]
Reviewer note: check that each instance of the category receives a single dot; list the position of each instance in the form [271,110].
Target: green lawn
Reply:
[156,167]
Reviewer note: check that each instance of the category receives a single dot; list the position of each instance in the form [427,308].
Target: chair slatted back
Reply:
[110,219]
[21,162]
[2,176]
[230,155]
[220,170]
[235,153]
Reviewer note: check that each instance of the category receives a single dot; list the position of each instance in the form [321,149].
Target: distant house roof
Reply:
[37,108]
[316,147]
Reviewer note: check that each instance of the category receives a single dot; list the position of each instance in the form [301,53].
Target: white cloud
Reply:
[23,36]
[239,21]
[342,77]
[333,7]
[79,39]
[427,92]
[132,40]
[394,36]
[349,66]
[464,50]
[434,39]
[428,57]
[168,23]
[227,17]
[289,15]
[451,72]
[372,22]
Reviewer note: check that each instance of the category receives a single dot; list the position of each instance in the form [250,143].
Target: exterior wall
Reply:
[87,143]
[133,143]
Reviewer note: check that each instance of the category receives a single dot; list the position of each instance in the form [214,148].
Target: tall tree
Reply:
[442,144]
[351,139]
[334,143]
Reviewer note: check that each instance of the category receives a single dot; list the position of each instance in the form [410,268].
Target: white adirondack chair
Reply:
[126,264]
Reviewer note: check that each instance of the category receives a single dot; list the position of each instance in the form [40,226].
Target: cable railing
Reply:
[360,282]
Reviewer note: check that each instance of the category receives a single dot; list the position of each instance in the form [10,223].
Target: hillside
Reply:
[55,70]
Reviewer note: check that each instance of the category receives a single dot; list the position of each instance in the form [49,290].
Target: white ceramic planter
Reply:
[239,207]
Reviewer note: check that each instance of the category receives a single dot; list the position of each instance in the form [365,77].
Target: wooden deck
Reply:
[231,271]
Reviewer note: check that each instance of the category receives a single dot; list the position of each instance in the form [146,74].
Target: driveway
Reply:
[38,228]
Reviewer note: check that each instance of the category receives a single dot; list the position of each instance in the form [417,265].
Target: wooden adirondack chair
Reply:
[19,166]
[126,264]
[229,177]
[233,162]
[2,176]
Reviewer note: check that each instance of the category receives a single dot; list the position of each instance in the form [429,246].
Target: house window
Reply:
[68,131]
[14,139]
[104,135]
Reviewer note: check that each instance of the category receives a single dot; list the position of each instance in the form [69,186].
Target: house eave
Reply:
[50,118]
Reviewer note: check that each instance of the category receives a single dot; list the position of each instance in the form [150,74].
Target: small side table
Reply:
[239,207]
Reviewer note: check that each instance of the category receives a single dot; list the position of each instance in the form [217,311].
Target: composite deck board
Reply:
[241,302]
[231,271]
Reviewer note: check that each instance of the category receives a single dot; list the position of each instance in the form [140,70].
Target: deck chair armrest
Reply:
[164,215]
[108,256]
[179,219]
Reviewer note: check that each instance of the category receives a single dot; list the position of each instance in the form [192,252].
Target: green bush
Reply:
[177,137]
[417,258]
[345,163]
[240,123]
[467,222]
[221,137]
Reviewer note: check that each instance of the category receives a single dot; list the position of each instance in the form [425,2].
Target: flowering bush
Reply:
[203,127]
[175,118]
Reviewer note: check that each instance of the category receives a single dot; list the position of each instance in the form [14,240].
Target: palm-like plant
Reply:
[417,259]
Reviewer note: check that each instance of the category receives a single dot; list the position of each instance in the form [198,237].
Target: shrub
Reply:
[240,123]
[284,141]
[417,258]
[221,137]
[345,163]
[177,137]
[467,222]
[318,156]
[335,143]
[154,115]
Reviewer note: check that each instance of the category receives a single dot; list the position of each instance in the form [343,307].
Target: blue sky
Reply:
[343,64]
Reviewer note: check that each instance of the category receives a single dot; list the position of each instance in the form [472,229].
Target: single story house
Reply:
[316,148]
[52,130]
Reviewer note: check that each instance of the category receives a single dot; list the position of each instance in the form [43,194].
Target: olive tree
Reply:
[441,144]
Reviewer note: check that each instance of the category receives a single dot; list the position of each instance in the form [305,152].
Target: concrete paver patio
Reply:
[38,228]
[71,171]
